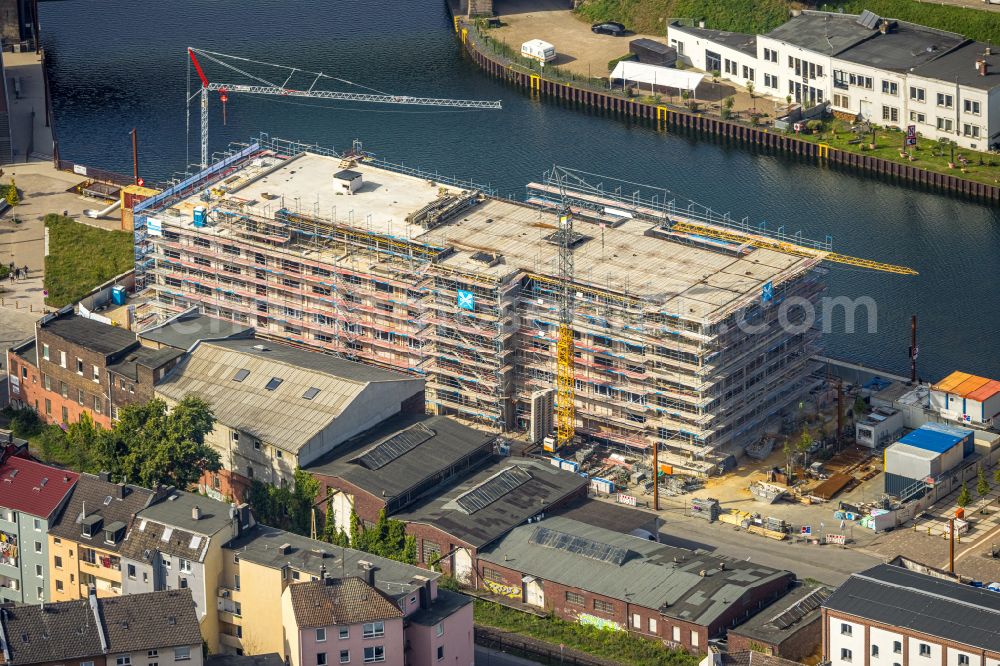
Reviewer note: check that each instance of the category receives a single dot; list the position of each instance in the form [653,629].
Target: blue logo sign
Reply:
[466,300]
[767,293]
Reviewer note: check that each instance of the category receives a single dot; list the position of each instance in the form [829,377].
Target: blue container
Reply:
[200,216]
[118,295]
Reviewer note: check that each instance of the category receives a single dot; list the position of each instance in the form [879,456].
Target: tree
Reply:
[860,406]
[386,538]
[287,508]
[150,445]
[802,446]
[12,197]
[787,450]
[982,485]
[750,89]
[686,96]
[727,107]
[964,497]
[715,75]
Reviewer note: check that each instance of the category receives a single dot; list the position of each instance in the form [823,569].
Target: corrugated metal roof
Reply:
[935,439]
[985,392]
[920,603]
[965,385]
[280,416]
[948,384]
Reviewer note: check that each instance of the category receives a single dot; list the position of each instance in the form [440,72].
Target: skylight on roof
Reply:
[273,384]
[241,374]
[310,393]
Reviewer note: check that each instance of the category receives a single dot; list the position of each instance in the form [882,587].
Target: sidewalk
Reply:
[31,135]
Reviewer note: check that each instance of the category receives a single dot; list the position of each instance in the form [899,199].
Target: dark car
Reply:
[608,28]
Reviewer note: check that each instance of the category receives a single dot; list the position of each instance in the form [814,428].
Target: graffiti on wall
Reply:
[599,622]
[508,591]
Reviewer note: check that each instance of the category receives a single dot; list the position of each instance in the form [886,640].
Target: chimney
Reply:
[121,490]
[285,548]
[982,67]
[104,475]
[367,572]
[195,512]
[323,575]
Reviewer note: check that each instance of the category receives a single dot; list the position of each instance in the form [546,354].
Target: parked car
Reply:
[612,28]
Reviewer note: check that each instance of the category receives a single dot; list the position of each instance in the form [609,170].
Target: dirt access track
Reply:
[579,50]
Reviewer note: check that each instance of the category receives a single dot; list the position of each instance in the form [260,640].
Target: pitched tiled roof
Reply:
[339,602]
[31,487]
[185,536]
[150,621]
[147,535]
[58,632]
[93,493]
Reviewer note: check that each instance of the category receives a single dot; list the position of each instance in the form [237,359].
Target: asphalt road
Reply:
[488,657]
[828,564]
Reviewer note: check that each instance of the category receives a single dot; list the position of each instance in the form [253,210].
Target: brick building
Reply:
[599,577]
[137,630]
[77,365]
[892,616]
[397,463]
[279,407]
[453,526]
[790,628]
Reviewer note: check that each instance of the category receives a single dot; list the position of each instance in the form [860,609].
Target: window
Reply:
[917,117]
[770,81]
[38,571]
[345,633]
[63,389]
[45,352]
[123,661]
[897,647]
[57,560]
[321,659]
[945,100]
[440,652]
[86,663]
[36,524]
[963,660]
[321,634]
[38,546]
[918,94]
[374,654]
[652,625]
[603,606]
[373,630]
[970,130]
[770,55]
[890,114]
[925,650]
[636,621]
[861,81]
[574,598]
[945,124]
[236,582]
[79,365]
[345,656]
[748,73]
[131,571]
[874,650]
[62,359]
[238,610]
[48,406]
[152,654]
[694,638]
[273,384]
[731,67]
[184,565]
[845,654]
[971,106]
[676,634]
[846,629]
[80,397]
[890,88]
[47,382]
[183,583]
[59,585]
[98,404]
[182,653]
[439,629]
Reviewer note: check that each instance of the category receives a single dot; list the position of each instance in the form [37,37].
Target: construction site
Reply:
[676,338]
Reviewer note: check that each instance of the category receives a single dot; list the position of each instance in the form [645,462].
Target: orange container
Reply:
[960,512]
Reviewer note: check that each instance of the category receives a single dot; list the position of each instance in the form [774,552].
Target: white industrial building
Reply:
[967,398]
[878,428]
[890,72]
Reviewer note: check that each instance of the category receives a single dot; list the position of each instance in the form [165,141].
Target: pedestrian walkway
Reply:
[31,130]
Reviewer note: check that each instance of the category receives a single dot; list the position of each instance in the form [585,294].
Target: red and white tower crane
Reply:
[259,85]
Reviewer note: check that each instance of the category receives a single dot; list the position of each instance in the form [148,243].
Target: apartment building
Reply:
[78,365]
[85,542]
[893,73]
[263,562]
[892,616]
[440,279]
[279,407]
[138,630]
[176,544]
[31,497]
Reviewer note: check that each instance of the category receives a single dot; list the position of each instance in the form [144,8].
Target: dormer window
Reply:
[91,525]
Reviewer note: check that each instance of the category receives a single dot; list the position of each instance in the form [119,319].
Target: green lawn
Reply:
[81,258]
[618,646]
[759,16]
[928,154]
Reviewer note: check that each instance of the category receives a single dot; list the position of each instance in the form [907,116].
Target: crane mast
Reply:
[565,365]
[262,86]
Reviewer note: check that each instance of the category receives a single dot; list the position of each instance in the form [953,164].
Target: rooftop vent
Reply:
[285,548]
[195,512]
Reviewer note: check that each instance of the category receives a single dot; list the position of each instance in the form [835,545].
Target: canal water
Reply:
[118,65]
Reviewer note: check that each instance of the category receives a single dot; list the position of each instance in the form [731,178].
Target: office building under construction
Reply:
[677,334]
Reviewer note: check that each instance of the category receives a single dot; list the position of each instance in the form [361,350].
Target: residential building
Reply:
[279,407]
[135,630]
[78,365]
[453,526]
[892,73]
[890,615]
[176,544]
[395,464]
[85,542]
[341,621]
[262,562]
[790,628]
[599,577]
[31,497]
[458,286]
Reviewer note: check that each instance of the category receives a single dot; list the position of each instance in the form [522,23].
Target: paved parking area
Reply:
[580,51]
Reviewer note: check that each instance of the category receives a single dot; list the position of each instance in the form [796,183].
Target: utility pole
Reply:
[135,156]
[840,413]
[951,545]
[913,349]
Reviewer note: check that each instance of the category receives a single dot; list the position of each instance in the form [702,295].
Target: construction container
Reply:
[964,435]
[914,462]
[941,438]
[880,427]
[666,469]
[600,485]
[652,52]
[707,508]
[966,398]
[898,486]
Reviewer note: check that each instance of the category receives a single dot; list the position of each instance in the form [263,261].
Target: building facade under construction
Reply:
[677,335]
